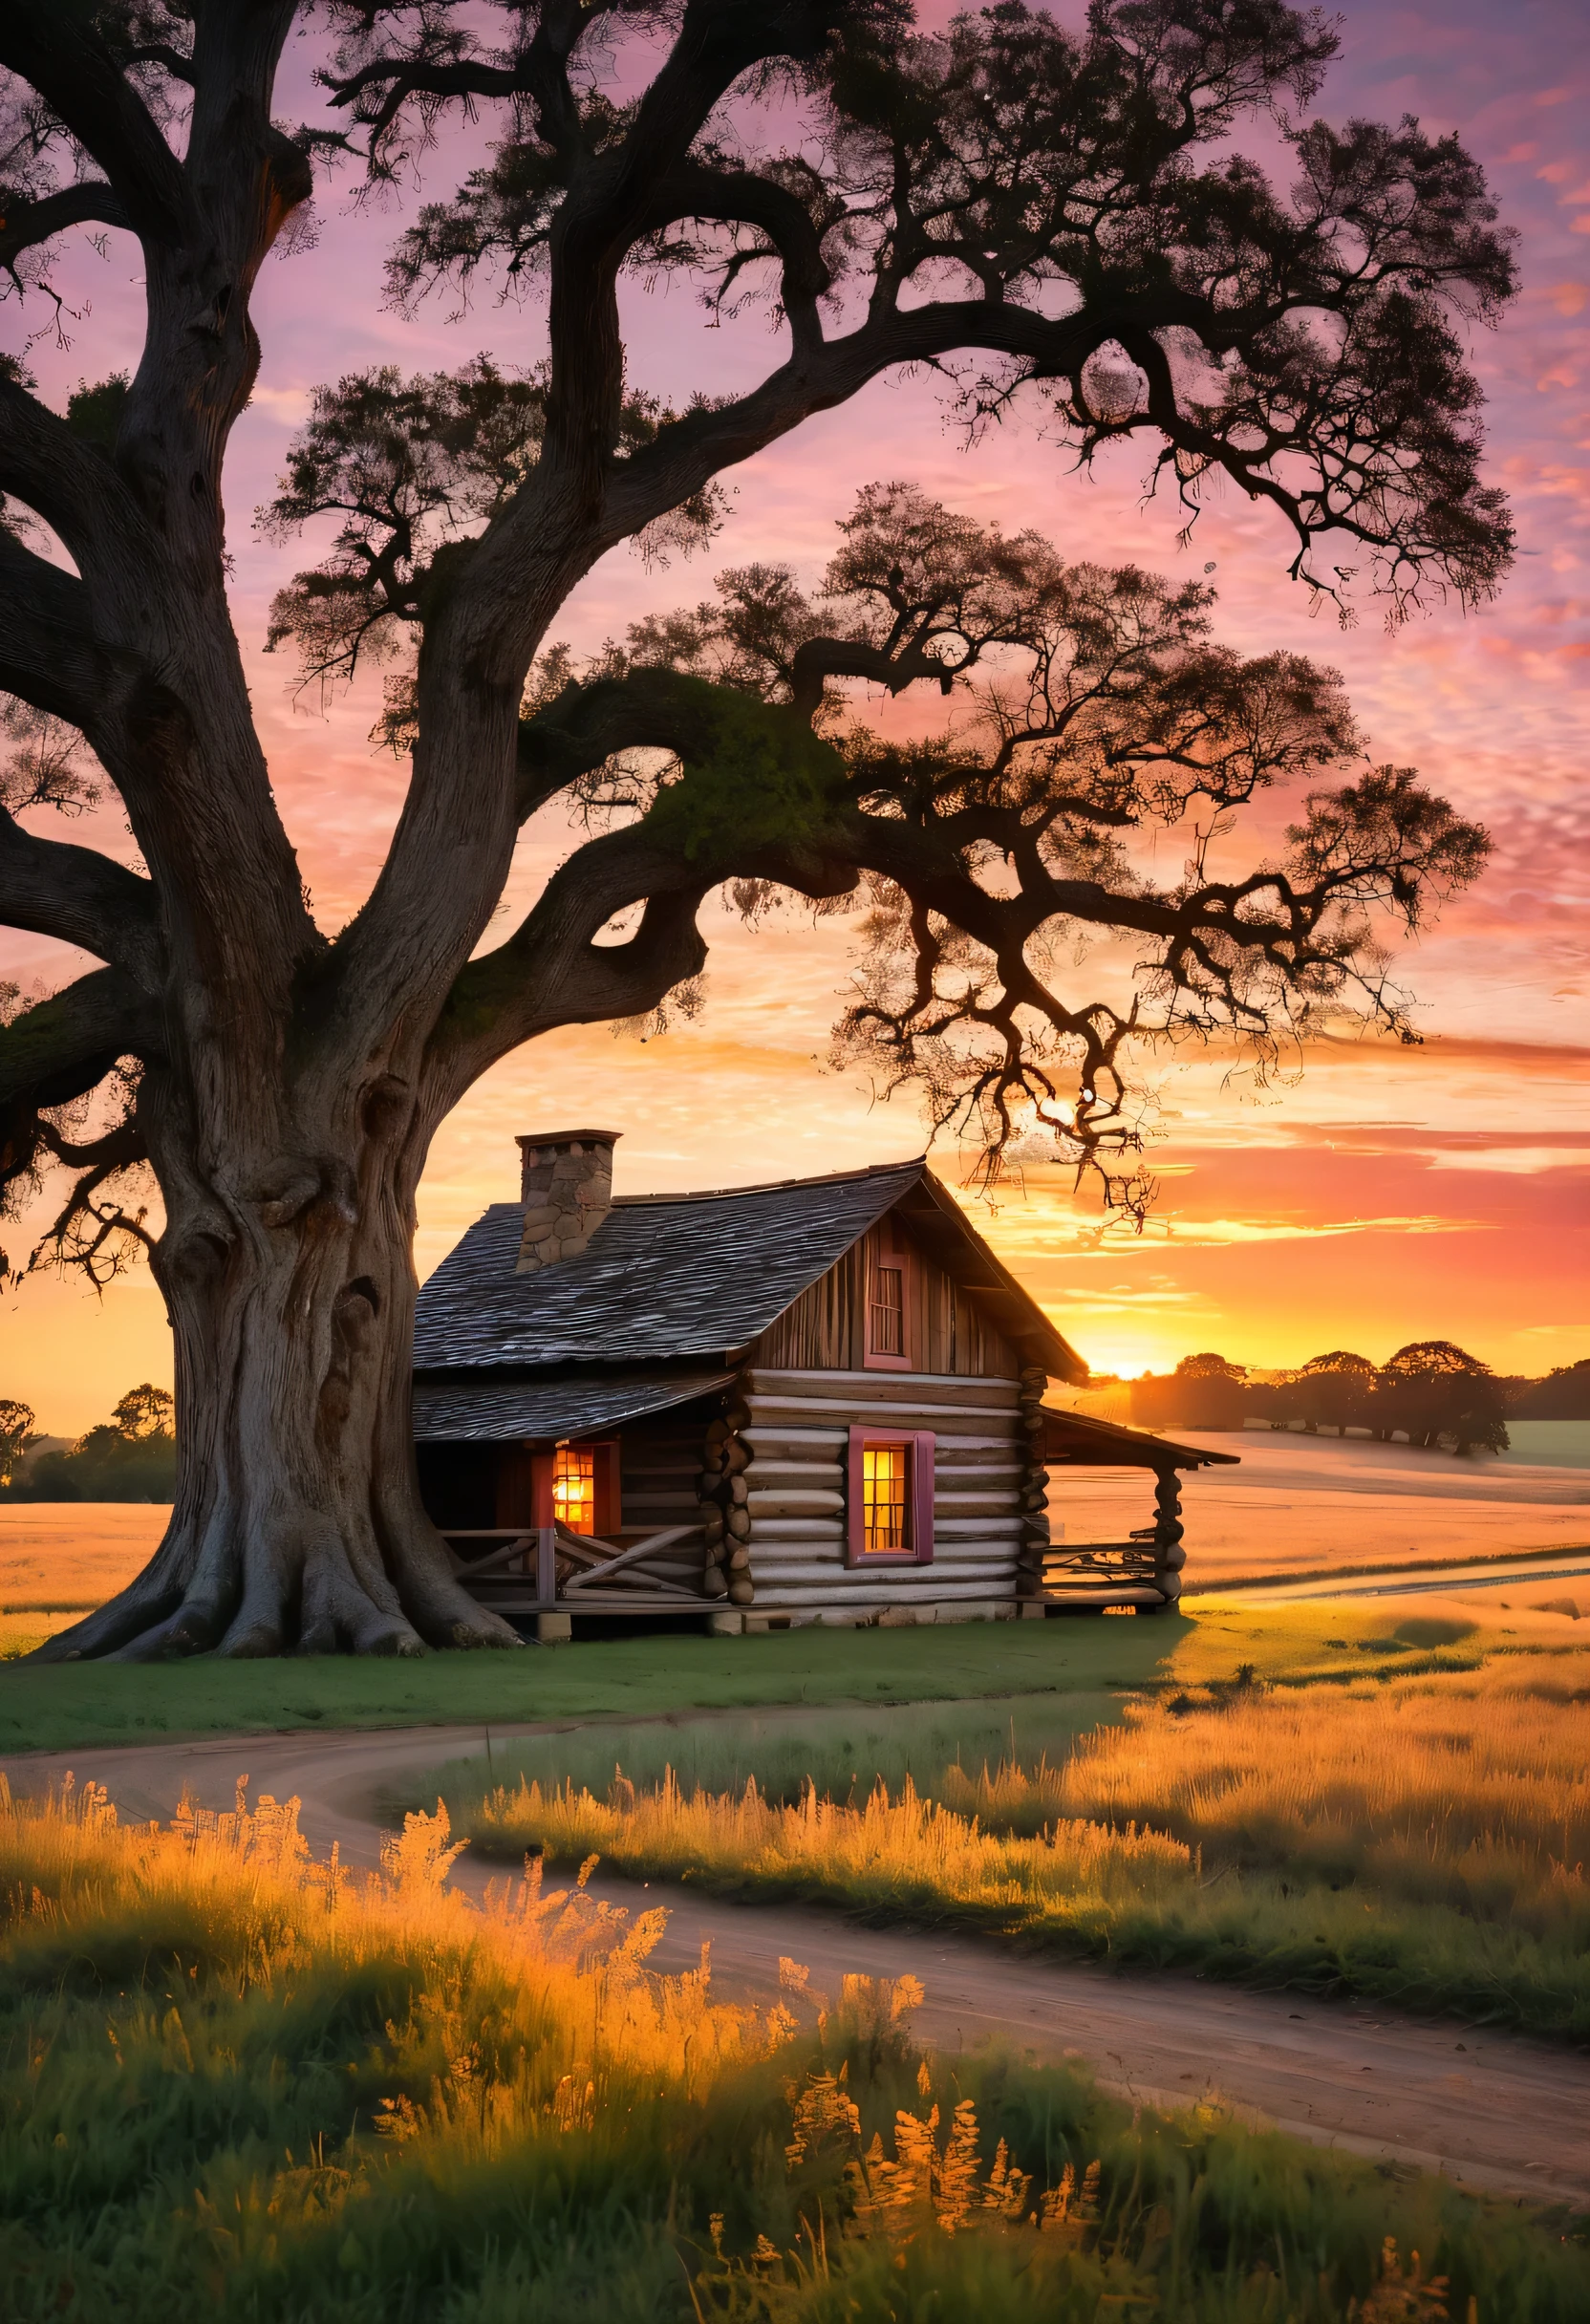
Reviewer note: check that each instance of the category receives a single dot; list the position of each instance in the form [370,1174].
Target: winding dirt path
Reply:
[1493,2110]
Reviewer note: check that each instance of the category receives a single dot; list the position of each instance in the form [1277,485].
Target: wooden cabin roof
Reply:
[668,1278]
[496,1412]
[1077,1440]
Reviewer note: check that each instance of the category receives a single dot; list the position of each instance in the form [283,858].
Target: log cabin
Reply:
[822,1400]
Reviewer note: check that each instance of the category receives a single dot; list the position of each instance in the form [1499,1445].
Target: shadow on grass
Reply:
[65,1706]
[85,1705]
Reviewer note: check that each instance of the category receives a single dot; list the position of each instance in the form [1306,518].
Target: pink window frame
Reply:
[885,1254]
[920,1553]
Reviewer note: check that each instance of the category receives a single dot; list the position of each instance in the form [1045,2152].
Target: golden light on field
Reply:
[1223,1821]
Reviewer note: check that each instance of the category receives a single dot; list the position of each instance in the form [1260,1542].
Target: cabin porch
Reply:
[623,1527]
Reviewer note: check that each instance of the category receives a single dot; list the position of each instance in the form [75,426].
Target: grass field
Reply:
[77,1705]
[235,2087]
[843,1750]
[1310,1504]
[60,1559]
[1419,1840]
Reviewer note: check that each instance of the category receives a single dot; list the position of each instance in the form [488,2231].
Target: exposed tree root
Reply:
[320,1607]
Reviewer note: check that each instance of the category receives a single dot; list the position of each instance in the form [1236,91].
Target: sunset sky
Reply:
[1385,1195]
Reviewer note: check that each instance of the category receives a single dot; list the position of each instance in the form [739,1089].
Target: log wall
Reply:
[946,1332]
[796,1433]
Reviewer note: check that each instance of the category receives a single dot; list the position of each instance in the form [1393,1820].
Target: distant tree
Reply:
[1564,1395]
[130,1457]
[144,1412]
[1432,1388]
[1333,1392]
[1204,1391]
[16,1429]
[1069,219]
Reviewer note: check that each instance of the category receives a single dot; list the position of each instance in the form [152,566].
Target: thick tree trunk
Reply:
[297,1524]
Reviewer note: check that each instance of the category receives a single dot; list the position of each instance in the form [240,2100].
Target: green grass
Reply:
[842,1749]
[77,1705]
[1420,1842]
[195,2047]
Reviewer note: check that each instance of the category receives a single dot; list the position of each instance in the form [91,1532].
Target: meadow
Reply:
[610,1680]
[60,1559]
[238,2086]
[1417,1837]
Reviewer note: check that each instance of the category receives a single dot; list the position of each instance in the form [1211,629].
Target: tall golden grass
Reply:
[237,2086]
[1425,1840]
[234,2082]
[904,1852]
[1473,1791]
[582,2001]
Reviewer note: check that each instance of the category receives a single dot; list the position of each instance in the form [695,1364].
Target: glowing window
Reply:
[887,1312]
[885,1500]
[574,1487]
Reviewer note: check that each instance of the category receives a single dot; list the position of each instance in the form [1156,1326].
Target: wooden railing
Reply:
[1084,1568]
[525,1560]
[519,1564]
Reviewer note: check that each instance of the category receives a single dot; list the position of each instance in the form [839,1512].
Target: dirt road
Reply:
[1491,2110]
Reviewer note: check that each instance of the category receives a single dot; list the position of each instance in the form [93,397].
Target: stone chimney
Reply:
[566,1186]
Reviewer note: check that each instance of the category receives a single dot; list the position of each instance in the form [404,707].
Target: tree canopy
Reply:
[1432,1388]
[16,1429]
[1048,215]
[1064,218]
[1339,1364]
[1209,1366]
[130,1457]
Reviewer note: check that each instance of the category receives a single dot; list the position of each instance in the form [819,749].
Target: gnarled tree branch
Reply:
[64,1046]
[987,850]
[51,653]
[79,897]
[28,223]
[67,483]
[61,53]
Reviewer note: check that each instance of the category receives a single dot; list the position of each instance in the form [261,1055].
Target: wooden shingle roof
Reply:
[668,1278]
[497,1410]
[1075,1440]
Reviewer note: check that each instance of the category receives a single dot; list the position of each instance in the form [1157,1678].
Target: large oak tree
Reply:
[1062,219]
